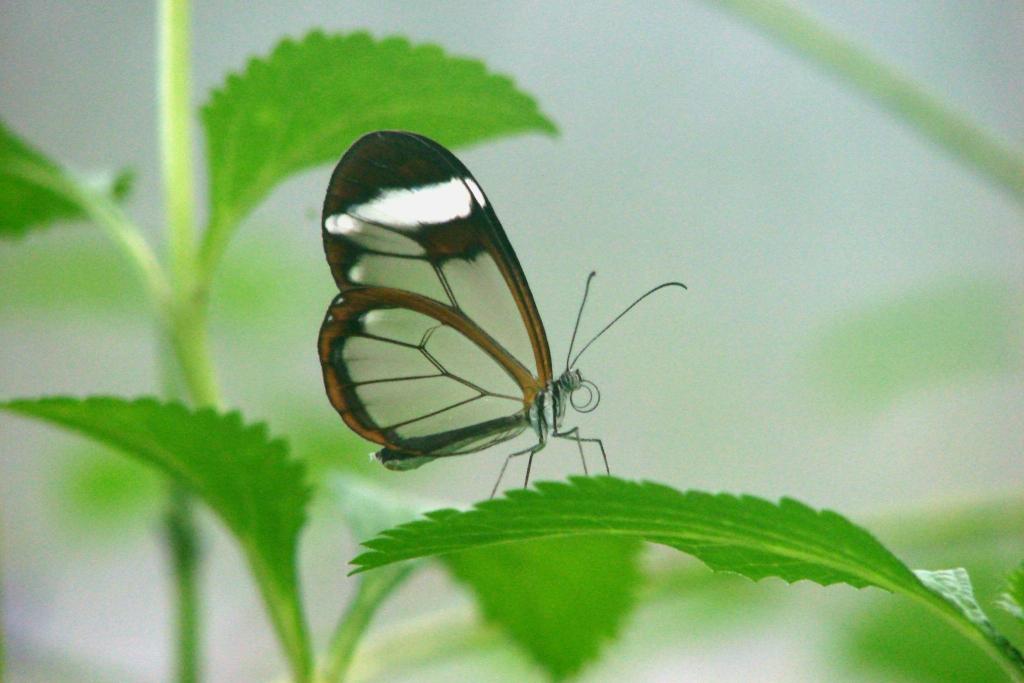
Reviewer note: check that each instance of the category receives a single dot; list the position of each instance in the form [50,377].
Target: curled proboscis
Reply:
[589,401]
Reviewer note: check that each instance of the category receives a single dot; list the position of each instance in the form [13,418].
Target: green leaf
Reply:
[1012,599]
[242,474]
[310,99]
[35,192]
[740,534]
[534,590]
[558,598]
[101,492]
[922,339]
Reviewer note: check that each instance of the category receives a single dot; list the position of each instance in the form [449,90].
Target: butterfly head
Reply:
[583,394]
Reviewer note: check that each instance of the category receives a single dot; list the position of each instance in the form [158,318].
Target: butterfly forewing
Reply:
[434,346]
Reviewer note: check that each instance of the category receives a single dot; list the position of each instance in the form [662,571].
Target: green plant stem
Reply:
[350,629]
[176,138]
[884,84]
[182,541]
[187,314]
[104,211]
[185,336]
[444,633]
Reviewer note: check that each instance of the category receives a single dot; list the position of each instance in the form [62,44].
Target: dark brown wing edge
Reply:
[342,321]
[381,158]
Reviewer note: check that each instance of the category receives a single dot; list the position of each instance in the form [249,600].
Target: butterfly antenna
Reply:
[579,316]
[616,318]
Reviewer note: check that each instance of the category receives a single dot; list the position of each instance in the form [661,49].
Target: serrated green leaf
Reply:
[560,599]
[34,191]
[740,534]
[238,470]
[1012,599]
[310,99]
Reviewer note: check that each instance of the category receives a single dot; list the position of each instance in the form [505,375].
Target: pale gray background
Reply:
[691,148]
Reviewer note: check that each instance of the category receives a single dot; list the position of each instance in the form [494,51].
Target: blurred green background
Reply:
[852,335]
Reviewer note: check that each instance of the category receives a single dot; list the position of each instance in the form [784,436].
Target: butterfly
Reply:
[434,347]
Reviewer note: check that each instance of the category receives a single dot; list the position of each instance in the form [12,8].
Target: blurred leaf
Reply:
[925,338]
[898,641]
[955,586]
[88,275]
[331,447]
[741,534]
[1012,600]
[310,99]
[558,598]
[367,510]
[34,191]
[101,490]
[243,475]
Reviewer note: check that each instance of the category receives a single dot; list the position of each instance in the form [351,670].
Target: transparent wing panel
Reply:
[399,324]
[372,360]
[473,412]
[395,402]
[410,274]
[482,294]
[463,358]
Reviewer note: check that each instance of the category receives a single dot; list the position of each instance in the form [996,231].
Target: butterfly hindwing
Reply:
[403,378]
[434,346]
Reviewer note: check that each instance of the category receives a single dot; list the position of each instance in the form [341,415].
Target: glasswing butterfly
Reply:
[434,346]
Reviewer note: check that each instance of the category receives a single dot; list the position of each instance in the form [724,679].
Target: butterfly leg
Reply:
[531,450]
[574,435]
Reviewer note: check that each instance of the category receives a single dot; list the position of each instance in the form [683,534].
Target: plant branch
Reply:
[176,138]
[187,324]
[350,629]
[104,211]
[440,634]
[183,545]
[183,311]
[884,84]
